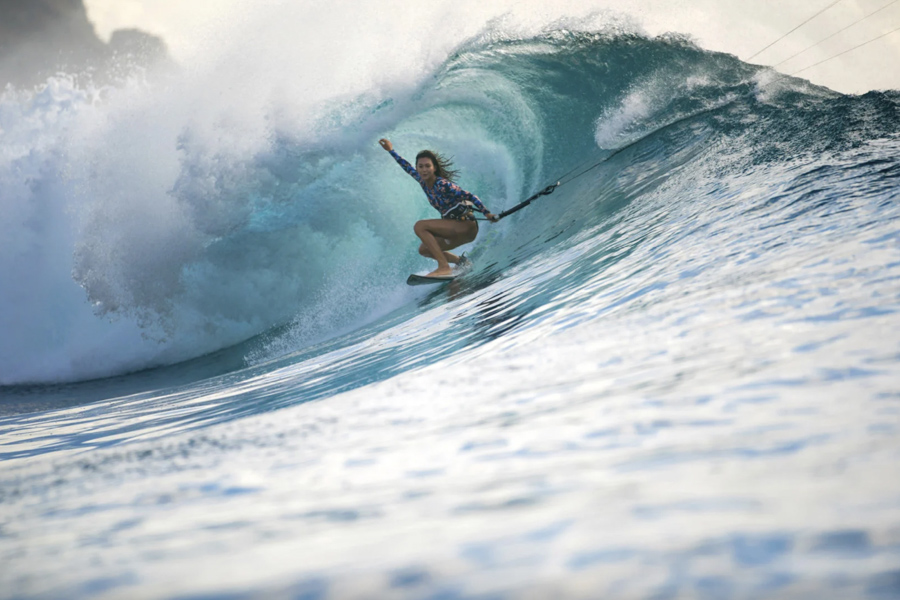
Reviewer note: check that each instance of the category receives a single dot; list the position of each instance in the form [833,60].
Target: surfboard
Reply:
[463,266]
[422,280]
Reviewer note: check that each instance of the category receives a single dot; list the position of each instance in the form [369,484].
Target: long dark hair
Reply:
[443,166]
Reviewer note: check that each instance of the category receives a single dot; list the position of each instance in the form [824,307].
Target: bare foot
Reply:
[446,272]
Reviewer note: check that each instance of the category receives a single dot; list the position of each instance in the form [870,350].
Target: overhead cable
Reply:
[846,51]
[836,32]
[793,30]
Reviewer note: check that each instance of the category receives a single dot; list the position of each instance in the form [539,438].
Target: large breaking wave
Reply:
[150,224]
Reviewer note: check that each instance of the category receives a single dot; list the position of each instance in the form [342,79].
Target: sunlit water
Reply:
[676,377]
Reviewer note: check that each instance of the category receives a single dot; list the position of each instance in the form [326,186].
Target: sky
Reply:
[740,27]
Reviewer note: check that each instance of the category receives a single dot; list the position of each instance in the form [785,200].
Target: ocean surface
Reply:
[678,376]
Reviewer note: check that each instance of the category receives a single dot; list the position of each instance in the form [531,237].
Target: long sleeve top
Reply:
[448,198]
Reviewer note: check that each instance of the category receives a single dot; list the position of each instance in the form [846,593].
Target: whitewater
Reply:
[675,377]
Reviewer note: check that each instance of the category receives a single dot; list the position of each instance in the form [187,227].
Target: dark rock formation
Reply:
[39,38]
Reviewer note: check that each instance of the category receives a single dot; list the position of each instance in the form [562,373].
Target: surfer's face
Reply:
[425,167]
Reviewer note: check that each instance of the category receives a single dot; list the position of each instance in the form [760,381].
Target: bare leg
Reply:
[451,234]
[451,258]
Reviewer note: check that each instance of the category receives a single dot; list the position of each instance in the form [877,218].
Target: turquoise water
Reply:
[676,377]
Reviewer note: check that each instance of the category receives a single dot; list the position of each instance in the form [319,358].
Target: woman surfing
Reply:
[457,225]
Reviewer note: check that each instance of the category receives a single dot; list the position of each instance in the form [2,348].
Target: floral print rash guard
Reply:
[448,198]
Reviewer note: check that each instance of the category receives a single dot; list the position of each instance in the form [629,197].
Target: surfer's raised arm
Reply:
[387,145]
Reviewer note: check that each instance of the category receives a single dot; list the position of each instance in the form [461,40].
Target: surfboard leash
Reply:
[544,192]
[552,187]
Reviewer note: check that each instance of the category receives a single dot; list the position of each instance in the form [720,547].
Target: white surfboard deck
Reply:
[423,280]
[464,266]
